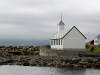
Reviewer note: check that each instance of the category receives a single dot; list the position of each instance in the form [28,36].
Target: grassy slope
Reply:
[95,50]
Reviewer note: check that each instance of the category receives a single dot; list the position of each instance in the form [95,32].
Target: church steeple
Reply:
[61,24]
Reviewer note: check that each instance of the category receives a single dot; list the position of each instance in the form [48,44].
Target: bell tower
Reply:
[61,24]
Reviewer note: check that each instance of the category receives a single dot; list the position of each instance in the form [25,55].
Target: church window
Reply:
[61,42]
[51,42]
[54,42]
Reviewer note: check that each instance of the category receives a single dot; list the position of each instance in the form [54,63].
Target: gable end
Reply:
[71,29]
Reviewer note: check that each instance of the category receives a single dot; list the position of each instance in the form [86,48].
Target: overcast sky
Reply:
[38,19]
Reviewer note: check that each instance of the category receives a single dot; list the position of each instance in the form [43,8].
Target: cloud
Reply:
[38,19]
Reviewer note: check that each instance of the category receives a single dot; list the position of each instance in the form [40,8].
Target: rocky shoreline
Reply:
[32,58]
[84,62]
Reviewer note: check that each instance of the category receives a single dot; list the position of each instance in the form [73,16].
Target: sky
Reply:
[38,19]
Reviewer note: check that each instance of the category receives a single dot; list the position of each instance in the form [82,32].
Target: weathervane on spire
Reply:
[61,23]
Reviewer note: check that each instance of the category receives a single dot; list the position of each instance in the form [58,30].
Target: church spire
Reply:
[61,16]
[61,24]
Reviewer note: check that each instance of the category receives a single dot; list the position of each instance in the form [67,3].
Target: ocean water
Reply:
[24,42]
[28,70]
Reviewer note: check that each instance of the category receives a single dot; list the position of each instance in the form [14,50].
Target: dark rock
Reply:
[26,63]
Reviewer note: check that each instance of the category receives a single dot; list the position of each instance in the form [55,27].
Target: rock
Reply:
[26,64]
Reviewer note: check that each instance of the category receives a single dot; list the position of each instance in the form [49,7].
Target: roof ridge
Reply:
[70,30]
[64,32]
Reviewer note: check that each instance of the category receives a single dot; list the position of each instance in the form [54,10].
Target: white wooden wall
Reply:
[56,45]
[99,41]
[95,41]
[74,40]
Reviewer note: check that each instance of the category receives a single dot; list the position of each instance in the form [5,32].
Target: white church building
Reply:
[67,39]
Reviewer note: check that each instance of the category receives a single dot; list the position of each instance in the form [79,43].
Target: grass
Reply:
[95,50]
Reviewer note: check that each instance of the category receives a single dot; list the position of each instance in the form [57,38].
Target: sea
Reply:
[33,70]
[24,42]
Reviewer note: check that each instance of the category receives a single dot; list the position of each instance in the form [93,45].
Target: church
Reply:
[67,38]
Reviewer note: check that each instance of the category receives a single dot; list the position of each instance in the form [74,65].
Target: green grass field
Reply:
[95,50]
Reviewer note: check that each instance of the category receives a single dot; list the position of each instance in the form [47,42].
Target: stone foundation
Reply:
[58,53]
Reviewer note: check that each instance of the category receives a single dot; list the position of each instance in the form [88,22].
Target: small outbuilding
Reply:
[97,40]
[67,39]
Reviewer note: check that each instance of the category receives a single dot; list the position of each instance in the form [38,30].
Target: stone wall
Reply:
[67,53]
[59,53]
[18,50]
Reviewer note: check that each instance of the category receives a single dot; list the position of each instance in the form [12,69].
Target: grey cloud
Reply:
[38,19]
